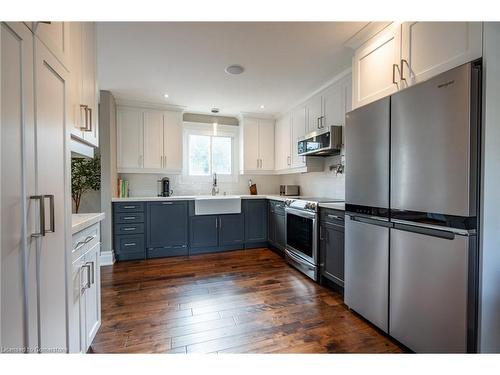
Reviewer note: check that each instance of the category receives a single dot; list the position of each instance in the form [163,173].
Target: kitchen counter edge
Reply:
[80,222]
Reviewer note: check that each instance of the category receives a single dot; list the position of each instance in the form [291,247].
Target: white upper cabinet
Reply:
[299,120]
[172,141]
[83,111]
[408,53]
[257,145]
[314,113]
[283,158]
[149,141]
[55,36]
[375,67]
[130,146]
[153,139]
[431,48]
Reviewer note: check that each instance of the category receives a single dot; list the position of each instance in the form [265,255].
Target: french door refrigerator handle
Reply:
[369,220]
[52,213]
[446,235]
[41,215]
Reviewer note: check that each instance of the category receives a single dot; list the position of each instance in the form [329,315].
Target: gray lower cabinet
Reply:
[276,231]
[128,230]
[255,222]
[332,246]
[212,233]
[204,232]
[167,229]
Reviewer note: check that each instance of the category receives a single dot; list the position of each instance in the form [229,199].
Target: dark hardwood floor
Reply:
[247,301]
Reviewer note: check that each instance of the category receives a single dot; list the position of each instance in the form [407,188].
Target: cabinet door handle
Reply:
[394,67]
[41,214]
[83,118]
[51,213]
[89,110]
[402,76]
[216,223]
[88,268]
[91,271]
[220,223]
[321,233]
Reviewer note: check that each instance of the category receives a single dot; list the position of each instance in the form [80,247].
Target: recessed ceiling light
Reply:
[234,69]
[262,106]
[165,96]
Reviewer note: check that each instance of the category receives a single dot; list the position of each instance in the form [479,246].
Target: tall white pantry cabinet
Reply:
[35,187]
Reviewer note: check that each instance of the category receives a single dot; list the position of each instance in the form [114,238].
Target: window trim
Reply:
[192,128]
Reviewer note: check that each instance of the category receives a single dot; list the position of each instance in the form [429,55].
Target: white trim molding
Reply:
[107,258]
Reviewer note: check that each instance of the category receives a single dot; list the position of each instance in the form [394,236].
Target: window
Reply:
[208,154]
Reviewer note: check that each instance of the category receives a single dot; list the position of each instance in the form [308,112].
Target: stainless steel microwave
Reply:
[324,142]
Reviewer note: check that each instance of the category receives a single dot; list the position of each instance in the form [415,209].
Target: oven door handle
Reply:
[305,214]
[298,260]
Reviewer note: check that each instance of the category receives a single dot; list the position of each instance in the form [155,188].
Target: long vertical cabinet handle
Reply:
[83,108]
[89,111]
[402,76]
[40,199]
[394,67]
[52,213]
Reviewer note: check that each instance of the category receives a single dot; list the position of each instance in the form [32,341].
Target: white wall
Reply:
[319,184]
[489,315]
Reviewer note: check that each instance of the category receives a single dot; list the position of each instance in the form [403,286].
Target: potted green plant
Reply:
[85,176]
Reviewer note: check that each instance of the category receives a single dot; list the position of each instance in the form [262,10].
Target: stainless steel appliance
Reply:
[301,223]
[324,142]
[290,190]
[411,212]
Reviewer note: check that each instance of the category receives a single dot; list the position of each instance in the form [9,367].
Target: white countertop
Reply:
[334,205]
[193,197]
[81,221]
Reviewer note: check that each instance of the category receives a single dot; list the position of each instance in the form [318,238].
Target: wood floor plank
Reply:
[247,301]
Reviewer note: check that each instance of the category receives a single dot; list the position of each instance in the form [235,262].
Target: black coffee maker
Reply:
[164,187]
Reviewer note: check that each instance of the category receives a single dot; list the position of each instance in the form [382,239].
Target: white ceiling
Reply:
[284,62]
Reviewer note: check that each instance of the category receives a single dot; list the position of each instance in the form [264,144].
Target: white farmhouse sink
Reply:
[217,205]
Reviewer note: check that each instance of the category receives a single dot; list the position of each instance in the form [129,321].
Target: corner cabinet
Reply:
[149,141]
[256,146]
[405,54]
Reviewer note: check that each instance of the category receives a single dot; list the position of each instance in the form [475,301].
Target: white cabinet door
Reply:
[17,135]
[333,111]
[90,89]
[55,36]
[251,144]
[376,67]
[93,295]
[266,144]
[282,143]
[298,130]
[314,113]
[153,139]
[130,139]
[51,88]
[77,307]
[172,141]
[431,48]
[76,114]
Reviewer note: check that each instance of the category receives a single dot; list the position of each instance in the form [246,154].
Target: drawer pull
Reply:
[129,218]
[129,229]
[335,217]
[167,203]
[129,244]
[128,207]
[85,241]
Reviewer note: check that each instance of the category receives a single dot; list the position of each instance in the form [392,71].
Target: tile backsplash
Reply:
[319,184]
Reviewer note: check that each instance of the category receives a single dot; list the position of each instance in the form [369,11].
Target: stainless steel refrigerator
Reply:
[411,212]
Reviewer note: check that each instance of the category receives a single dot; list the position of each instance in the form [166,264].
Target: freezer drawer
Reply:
[366,270]
[434,145]
[429,291]
[367,155]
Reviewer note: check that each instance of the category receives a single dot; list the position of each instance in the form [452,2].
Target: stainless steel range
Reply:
[301,222]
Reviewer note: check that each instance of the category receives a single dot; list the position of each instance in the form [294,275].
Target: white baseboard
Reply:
[107,258]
